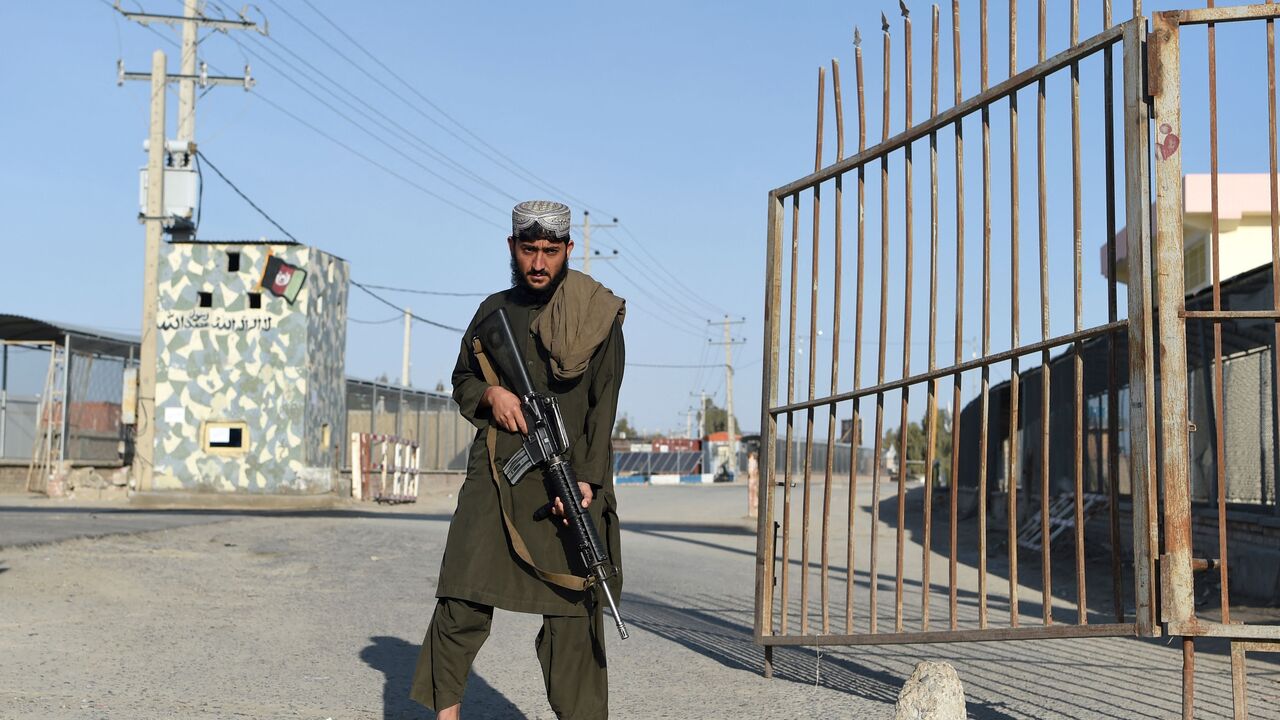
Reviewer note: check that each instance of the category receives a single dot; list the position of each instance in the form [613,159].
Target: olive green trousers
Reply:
[570,651]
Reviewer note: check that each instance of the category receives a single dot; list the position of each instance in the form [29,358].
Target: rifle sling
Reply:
[564,580]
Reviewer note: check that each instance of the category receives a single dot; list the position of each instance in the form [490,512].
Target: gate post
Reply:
[768,428]
[1177,601]
[1142,385]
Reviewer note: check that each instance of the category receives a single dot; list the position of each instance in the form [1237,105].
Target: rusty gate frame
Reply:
[1163,587]
[1178,563]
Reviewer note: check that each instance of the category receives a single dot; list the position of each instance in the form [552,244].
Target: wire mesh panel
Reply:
[23,371]
[978,344]
[95,433]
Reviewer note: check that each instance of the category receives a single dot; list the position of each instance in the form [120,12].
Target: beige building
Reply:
[1244,228]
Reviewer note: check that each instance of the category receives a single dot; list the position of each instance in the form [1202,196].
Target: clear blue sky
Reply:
[675,117]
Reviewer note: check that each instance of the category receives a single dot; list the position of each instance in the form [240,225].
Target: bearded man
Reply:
[571,329]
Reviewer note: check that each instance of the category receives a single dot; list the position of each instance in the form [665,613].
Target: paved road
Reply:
[319,615]
[27,520]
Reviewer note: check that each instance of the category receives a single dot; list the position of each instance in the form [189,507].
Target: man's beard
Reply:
[543,295]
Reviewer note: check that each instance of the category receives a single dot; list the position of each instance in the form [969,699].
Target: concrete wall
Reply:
[325,354]
[234,363]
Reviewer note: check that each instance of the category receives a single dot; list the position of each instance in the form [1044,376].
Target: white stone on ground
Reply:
[933,692]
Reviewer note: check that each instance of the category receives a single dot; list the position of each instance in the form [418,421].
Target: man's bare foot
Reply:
[453,712]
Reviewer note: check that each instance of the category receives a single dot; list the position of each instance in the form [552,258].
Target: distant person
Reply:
[572,331]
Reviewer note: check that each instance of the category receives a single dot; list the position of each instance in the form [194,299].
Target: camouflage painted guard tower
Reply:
[250,389]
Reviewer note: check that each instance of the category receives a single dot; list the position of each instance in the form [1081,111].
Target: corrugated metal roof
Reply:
[20,328]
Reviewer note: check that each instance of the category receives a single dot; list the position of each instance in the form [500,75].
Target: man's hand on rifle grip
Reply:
[505,408]
[588,494]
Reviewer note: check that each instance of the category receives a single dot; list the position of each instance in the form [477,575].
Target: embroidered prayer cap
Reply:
[540,219]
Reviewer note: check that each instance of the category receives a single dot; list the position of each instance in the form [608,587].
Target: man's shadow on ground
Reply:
[396,659]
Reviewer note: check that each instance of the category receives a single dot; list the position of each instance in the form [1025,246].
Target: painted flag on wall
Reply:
[282,279]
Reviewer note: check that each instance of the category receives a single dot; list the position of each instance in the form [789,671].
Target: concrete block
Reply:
[933,692]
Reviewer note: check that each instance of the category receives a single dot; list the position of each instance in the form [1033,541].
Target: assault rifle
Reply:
[546,446]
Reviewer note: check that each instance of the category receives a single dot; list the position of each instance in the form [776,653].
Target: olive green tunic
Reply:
[479,564]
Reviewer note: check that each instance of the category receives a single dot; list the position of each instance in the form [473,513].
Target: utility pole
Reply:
[145,448]
[701,413]
[156,213]
[404,367]
[586,241]
[192,73]
[187,86]
[728,344]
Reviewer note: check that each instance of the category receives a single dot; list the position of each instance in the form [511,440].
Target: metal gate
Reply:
[1182,556]
[1127,459]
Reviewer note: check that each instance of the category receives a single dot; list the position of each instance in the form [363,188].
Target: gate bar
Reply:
[835,351]
[1110,36]
[874,578]
[791,384]
[1011,496]
[1203,16]
[1113,390]
[931,406]
[1042,216]
[1275,203]
[1219,384]
[1077,238]
[813,358]
[1142,419]
[905,395]
[857,332]
[983,362]
[1030,632]
[954,481]
[986,325]
[765,549]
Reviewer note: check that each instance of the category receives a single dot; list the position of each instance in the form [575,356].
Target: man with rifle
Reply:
[540,381]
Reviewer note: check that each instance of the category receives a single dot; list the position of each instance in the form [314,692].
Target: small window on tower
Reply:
[233,261]
[206,299]
[226,438]
[255,301]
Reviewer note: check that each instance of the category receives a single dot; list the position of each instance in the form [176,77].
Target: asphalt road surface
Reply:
[107,612]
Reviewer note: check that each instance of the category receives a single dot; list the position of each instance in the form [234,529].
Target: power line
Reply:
[373,162]
[271,220]
[679,286]
[659,365]
[665,320]
[371,134]
[419,318]
[403,132]
[670,297]
[674,313]
[327,136]
[391,319]
[658,264]
[428,292]
[205,159]
[512,166]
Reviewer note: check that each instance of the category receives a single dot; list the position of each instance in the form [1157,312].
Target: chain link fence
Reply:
[87,382]
[430,418]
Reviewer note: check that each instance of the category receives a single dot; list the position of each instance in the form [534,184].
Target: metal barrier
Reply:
[387,471]
[962,622]
[430,418]
[1038,488]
